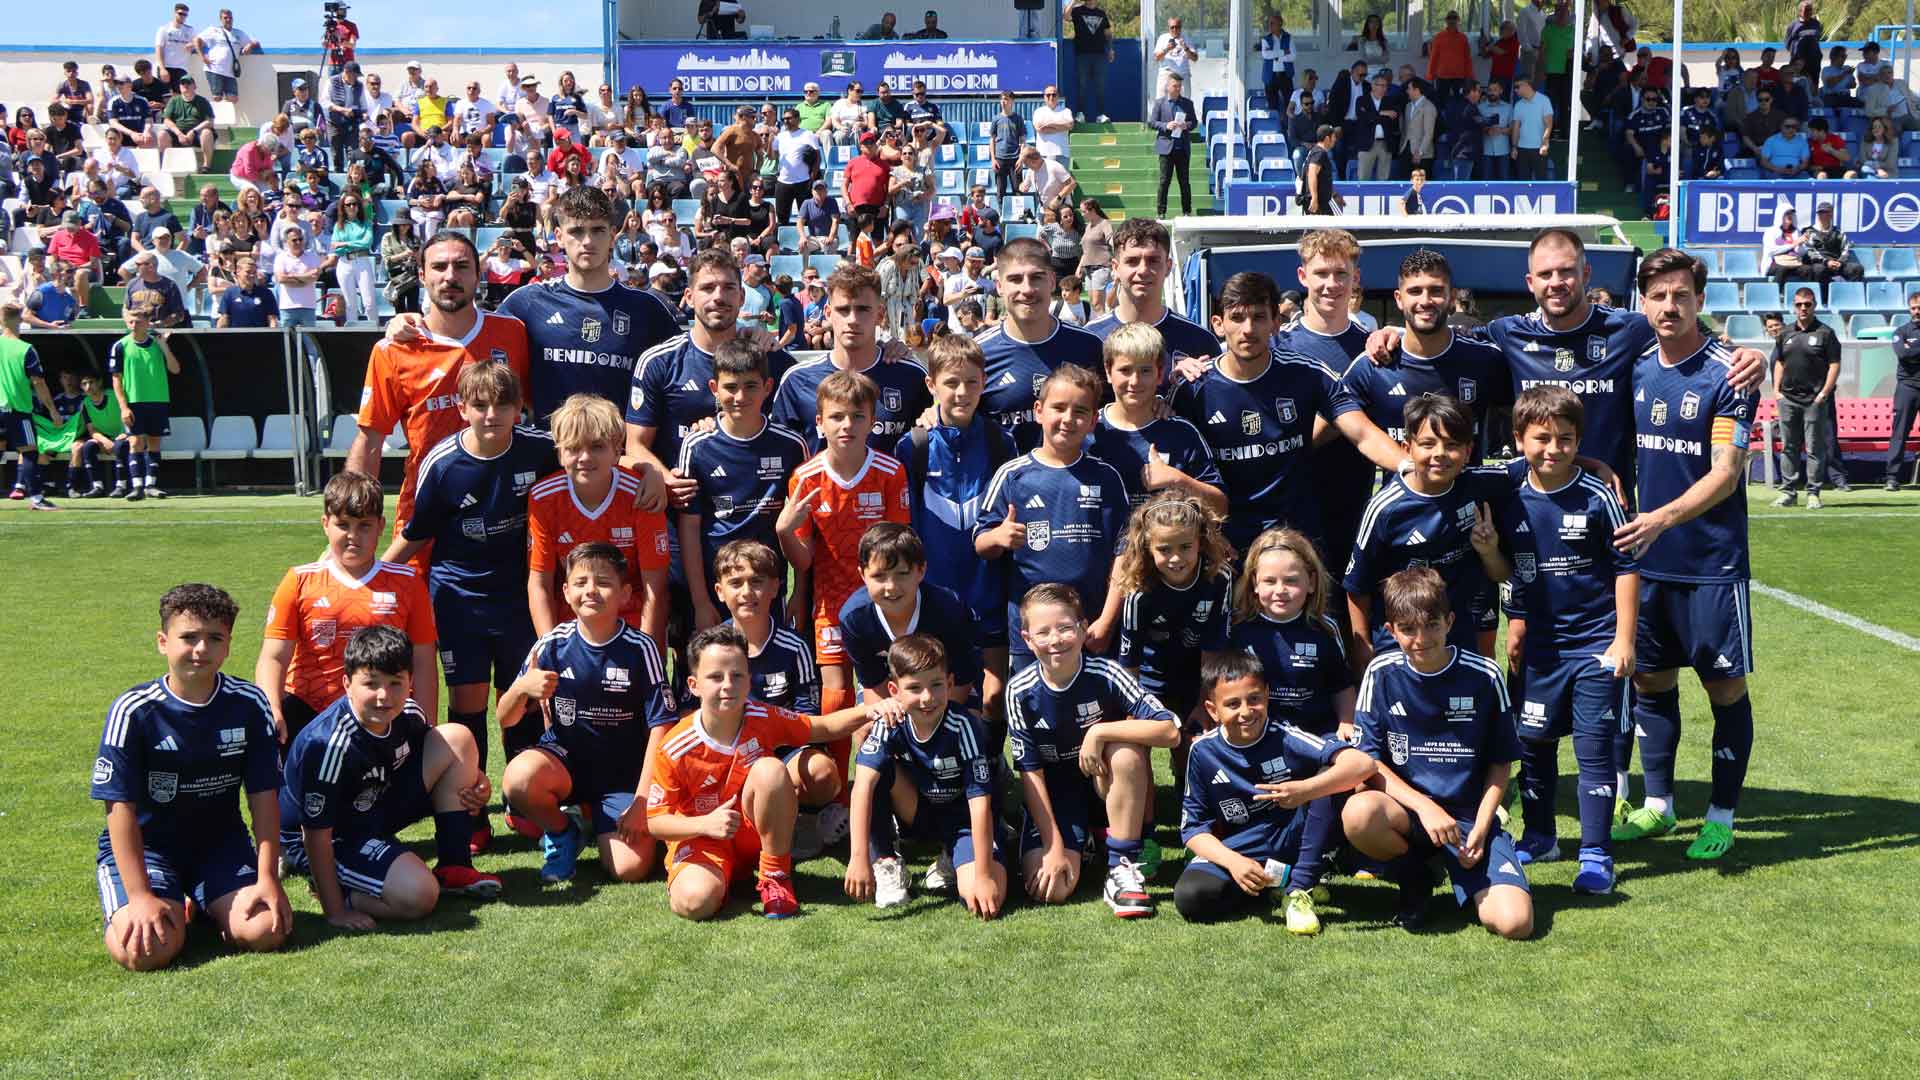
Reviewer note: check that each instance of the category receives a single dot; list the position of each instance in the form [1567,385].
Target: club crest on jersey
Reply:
[163,786]
[1087,713]
[1525,566]
[1284,408]
[981,773]
[776,685]
[1249,423]
[563,711]
[621,324]
[771,468]
[473,528]
[323,632]
[316,804]
[891,398]
[1039,535]
[1274,770]
[617,678]
[1689,405]
[1596,349]
[1658,414]
[1397,747]
[102,770]
[1234,811]
[722,505]
[1469,389]
[1460,708]
[498,356]
[945,768]
[589,330]
[1038,381]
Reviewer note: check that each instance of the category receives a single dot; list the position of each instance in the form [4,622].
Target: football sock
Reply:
[451,830]
[882,841]
[120,467]
[1732,746]
[1594,756]
[1657,716]
[90,462]
[1539,777]
[136,463]
[1118,849]
[1623,744]
[771,864]
[1323,817]
[1720,815]
[29,476]
[1659,804]
[153,468]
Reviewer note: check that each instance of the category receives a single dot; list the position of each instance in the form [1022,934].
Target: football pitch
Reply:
[1798,952]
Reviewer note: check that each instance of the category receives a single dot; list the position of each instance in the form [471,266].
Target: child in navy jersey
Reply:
[1280,617]
[175,756]
[895,600]
[1437,720]
[1247,782]
[749,576]
[1152,452]
[934,777]
[602,690]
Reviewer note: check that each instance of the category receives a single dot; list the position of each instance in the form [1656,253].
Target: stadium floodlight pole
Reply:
[1674,83]
[1575,65]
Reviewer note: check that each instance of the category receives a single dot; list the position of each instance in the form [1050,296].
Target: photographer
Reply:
[346,111]
[338,38]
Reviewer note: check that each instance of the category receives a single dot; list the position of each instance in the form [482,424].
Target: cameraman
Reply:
[339,39]
[346,110]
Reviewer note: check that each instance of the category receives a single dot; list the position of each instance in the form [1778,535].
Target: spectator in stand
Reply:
[351,256]
[1276,64]
[150,86]
[1906,389]
[1827,155]
[1803,38]
[1061,231]
[604,115]
[296,277]
[466,199]
[1503,54]
[1785,153]
[342,36]
[536,113]
[187,272]
[902,280]
[1050,182]
[1740,101]
[801,158]
[912,187]
[382,168]
[1769,76]
[1655,181]
[379,102]
[1645,126]
[568,106]
[118,169]
[1698,114]
[1612,27]
[148,288]
[1890,97]
[867,180]
[1780,247]
[1008,139]
[813,108]
[249,302]
[200,223]
[1867,71]
[721,20]
[430,110]
[1827,252]
[678,110]
[130,115]
[819,222]
[172,44]
[78,248]
[74,92]
[1806,368]
[473,114]
[1174,55]
[1837,82]
[302,110]
[1419,128]
[1053,125]
[1532,133]
[347,108]
[1449,60]
[930,30]
[1706,160]
[426,199]
[1461,125]
[411,87]
[1762,124]
[889,111]
[1797,98]
[64,141]
[566,148]
[882,30]
[1530,24]
[1371,42]
[1377,131]
[1096,254]
[923,114]
[444,154]
[222,47]
[1880,151]
[1556,57]
[1092,55]
[847,118]
[52,305]
[153,214]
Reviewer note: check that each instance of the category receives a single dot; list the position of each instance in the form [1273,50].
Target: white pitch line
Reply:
[1834,517]
[1851,622]
[50,521]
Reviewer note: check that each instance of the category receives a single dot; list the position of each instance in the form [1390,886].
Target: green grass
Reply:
[1796,954]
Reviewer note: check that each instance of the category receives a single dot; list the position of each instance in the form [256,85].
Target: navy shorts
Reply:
[1707,627]
[360,863]
[1500,865]
[1073,798]
[150,418]
[1287,849]
[16,428]
[603,793]
[224,85]
[477,640]
[1575,696]
[206,874]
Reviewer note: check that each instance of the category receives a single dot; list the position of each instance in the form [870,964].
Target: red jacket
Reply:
[1449,56]
[558,156]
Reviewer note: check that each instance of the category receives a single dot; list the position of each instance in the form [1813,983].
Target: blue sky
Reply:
[296,23]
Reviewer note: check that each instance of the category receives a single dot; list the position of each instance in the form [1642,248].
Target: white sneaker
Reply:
[833,824]
[806,837]
[1787,498]
[1101,119]
[940,875]
[1126,891]
[1079,118]
[889,883]
[1813,501]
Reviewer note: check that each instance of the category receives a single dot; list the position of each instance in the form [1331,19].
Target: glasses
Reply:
[1803,303]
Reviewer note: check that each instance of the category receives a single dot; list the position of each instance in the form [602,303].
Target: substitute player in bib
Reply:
[174,755]
[1029,344]
[1142,259]
[139,365]
[22,383]
[416,384]
[719,796]
[1692,427]
[102,430]
[368,767]
[320,606]
[472,507]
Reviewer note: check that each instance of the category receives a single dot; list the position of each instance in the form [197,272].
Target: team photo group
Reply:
[730,610]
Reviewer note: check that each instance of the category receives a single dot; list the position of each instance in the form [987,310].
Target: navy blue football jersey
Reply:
[783,671]
[182,766]
[340,776]
[1682,411]
[474,510]
[669,393]
[1564,566]
[1047,725]
[586,343]
[1342,475]
[1183,337]
[1595,361]
[940,612]
[1403,528]
[1472,372]
[1173,439]
[1164,631]
[1438,732]
[1074,518]
[903,398]
[743,485]
[1306,663]
[1221,779]
[1261,433]
[947,768]
[1015,368]
[610,695]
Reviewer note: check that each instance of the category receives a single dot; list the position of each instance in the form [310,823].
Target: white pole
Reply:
[1907,42]
[1673,128]
[1573,97]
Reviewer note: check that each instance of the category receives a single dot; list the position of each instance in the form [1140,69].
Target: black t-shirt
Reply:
[759,215]
[1805,356]
[1906,350]
[61,139]
[1323,188]
[155,91]
[735,209]
[1091,29]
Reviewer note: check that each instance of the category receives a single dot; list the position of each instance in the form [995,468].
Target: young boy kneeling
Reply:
[368,766]
[1437,720]
[1248,782]
[933,777]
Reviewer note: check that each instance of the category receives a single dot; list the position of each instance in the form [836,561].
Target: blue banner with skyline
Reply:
[784,68]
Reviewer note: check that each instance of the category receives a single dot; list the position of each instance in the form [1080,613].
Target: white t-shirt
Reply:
[631,161]
[124,158]
[172,41]
[1052,144]
[1048,179]
[178,267]
[507,96]
[787,145]
[847,116]
[380,102]
[1176,61]
[295,296]
[473,117]
[221,46]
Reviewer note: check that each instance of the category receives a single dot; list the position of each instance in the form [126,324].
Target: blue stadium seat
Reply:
[1885,296]
[789,236]
[1745,327]
[1869,257]
[1846,297]
[1213,103]
[484,236]
[954,180]
[1274,170]
[1741,264]
[1722,298]
[1764,296]
[685,210]
[1743,172]
[790,265]
[983,154]
[1013,207]
[1833,322]
[1261,122]
[1899,263]
[391,210]
[1858,325]
[824,264]
[1018,229]
[948,156]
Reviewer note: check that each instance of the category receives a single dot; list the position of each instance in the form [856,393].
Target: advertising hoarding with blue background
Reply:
[783,68]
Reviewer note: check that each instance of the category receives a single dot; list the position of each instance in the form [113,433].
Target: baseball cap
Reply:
[867,137]
[756,260]
[157,232]
[352,67]
[414,65]
[72,217]
[952,253]
[819,185]
[659,269]
[1825,207]
[976,253]
[299,83]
